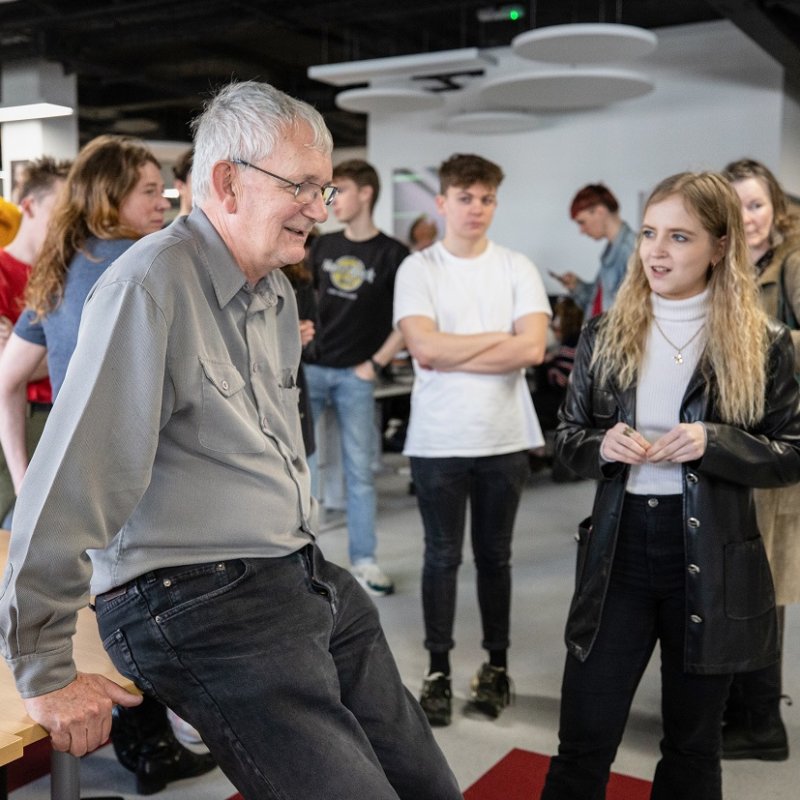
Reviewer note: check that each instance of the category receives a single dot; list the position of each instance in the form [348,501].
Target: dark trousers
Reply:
[493,486]
[282,666]
[646,603]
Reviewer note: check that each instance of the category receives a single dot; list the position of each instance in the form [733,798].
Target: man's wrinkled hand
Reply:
[78,716]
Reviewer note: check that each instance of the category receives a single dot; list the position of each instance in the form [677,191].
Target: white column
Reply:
[34,81]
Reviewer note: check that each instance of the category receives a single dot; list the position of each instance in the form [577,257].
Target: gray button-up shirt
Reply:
[174,440]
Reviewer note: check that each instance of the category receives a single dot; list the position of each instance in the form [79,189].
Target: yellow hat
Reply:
[10,217]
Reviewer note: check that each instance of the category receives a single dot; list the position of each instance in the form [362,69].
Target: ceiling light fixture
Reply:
[27,111]
[512,13]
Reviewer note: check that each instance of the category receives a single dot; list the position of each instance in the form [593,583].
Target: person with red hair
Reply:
[596,211]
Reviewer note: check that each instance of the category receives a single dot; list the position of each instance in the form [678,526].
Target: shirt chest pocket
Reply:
[228,419]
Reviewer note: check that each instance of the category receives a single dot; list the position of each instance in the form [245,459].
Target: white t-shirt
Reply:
[464,413]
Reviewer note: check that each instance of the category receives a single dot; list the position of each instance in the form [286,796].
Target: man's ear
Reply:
[225,185]
[365,194]
[26,205]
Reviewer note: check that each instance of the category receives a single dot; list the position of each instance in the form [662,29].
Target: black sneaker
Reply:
[436,699]
[491,690]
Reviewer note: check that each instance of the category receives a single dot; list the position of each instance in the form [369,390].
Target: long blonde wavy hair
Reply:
[104,173]
[736,325]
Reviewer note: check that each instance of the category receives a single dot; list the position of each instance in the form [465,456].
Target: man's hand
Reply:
[78,717]
[569,280]
[306,331]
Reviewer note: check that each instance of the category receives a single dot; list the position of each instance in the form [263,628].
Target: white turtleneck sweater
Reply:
[662,384]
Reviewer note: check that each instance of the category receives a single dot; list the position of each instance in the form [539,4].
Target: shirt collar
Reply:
[226,277]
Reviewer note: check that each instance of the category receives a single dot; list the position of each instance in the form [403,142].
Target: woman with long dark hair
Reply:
[682,399]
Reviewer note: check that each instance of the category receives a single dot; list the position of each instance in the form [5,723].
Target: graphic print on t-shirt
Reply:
[347,274]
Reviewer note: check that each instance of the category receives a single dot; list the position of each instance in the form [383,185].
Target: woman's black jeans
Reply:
[646,603]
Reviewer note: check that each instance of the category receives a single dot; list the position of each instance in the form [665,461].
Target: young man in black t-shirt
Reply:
[354,271]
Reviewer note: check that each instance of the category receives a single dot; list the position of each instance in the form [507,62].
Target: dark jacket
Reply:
[730,602]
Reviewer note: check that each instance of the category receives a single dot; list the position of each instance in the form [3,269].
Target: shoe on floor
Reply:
[436,699]
[763,739]
[184,732]
[490,691]
[150,750]
[373,578]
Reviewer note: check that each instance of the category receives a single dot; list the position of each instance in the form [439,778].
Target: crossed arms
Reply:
[488,353]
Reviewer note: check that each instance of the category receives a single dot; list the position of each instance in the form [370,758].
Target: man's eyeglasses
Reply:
[305,192]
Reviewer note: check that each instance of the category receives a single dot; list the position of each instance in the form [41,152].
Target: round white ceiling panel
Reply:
[564,90]
[491,122]
[387,100]
[589,43]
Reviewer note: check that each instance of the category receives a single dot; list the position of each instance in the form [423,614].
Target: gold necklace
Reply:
[678,357]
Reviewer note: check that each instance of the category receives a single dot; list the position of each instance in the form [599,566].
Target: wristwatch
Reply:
[375,366]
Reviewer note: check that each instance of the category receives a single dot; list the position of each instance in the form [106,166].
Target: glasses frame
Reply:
[328,191]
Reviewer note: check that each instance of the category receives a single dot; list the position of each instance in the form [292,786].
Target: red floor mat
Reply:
[520,776]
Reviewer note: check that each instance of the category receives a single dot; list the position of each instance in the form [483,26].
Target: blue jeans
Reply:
[493,485]
[646,603]
[353,402]
[282,666]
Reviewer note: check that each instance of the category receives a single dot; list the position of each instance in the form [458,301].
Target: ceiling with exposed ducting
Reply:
[145,66]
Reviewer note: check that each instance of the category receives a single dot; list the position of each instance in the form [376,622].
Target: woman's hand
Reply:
[685,442]
[623,443]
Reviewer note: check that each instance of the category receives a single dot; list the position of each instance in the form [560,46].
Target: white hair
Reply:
[244,120]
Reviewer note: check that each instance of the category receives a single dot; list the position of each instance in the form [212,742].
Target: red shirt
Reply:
[13,279]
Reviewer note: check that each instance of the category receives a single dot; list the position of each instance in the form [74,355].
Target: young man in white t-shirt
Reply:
[473,315]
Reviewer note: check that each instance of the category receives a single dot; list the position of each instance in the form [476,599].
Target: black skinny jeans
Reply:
[493,486]
[646,603]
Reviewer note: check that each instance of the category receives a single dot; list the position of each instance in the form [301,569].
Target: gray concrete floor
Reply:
[543,569]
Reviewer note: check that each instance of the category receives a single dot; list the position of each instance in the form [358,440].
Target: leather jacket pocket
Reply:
[748,581]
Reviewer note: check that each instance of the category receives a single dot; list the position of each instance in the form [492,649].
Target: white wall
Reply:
[718,97]
[789,170]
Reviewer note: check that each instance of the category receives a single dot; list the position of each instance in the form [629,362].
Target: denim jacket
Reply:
[613,265]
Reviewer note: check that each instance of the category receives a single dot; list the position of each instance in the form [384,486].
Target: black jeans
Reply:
[493,486]
[646,602]
[282,666]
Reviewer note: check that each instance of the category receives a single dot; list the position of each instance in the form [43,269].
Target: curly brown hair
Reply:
[104,173]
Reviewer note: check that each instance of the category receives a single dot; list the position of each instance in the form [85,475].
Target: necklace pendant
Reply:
[678,358]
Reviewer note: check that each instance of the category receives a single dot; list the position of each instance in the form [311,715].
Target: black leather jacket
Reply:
[730,602]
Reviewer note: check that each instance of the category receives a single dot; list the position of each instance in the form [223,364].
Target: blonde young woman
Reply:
[112,197]
[677,419]
[753,725]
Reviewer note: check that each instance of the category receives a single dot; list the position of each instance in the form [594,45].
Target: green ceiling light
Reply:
[512,13]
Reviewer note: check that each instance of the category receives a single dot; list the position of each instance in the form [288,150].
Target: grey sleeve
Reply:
[89,471]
